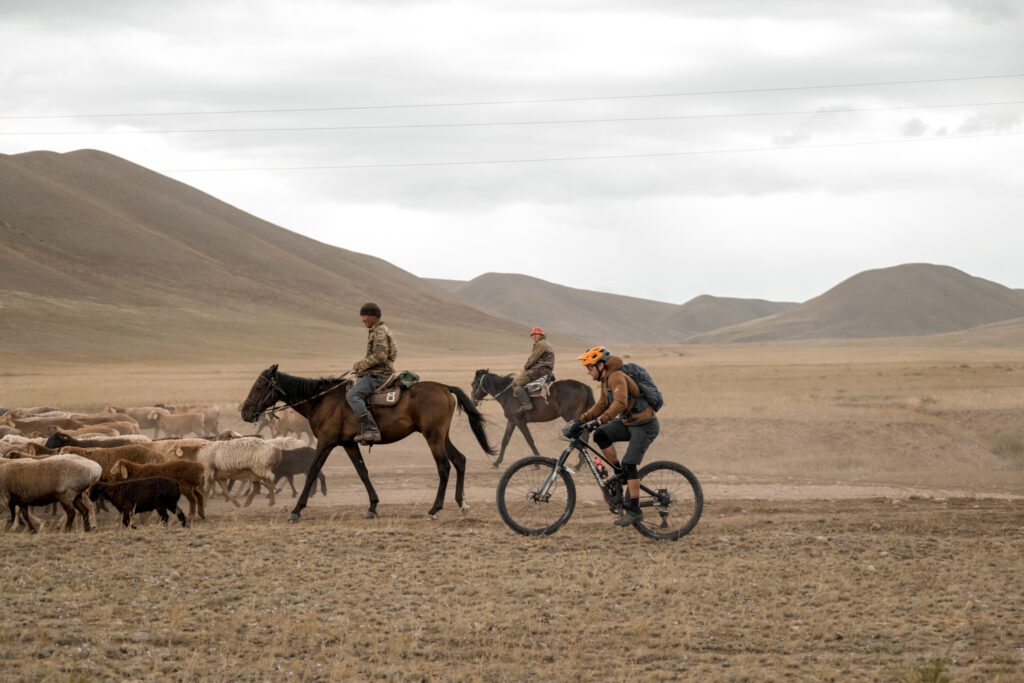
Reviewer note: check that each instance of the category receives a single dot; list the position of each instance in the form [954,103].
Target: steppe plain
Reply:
[864,520]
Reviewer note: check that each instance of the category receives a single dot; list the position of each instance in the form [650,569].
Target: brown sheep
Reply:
[39,426]
[107,457]
[189,476]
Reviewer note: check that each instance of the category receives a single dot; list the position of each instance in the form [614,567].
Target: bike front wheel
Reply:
[671,500]
[522,505]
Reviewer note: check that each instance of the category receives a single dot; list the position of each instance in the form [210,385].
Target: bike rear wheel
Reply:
[522,507]
[671,499]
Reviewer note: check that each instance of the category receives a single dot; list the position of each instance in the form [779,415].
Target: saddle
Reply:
[540,387]
[389,393]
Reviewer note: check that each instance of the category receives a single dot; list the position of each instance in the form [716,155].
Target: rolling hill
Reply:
[104,258]
[909,300]
[603,317]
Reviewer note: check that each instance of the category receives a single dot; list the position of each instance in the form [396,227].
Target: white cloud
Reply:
[776,223]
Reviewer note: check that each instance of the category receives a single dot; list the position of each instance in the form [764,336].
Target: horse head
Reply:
[263,395]
[478,393]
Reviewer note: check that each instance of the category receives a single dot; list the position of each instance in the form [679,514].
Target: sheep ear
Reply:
[177,452]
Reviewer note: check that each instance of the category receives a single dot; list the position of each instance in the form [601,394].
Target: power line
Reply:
[526,101]
[839,110]
[593,158]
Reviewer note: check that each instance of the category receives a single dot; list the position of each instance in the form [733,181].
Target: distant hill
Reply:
[602,317]
[705,313]
[103,258]
[902,301]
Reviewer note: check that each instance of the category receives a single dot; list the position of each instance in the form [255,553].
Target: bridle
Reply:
[479,384]
[275,391]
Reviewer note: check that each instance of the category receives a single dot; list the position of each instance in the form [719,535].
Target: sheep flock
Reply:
[139,460]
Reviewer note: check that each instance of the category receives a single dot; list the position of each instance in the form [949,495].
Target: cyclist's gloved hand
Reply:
[592,425]
[572,428]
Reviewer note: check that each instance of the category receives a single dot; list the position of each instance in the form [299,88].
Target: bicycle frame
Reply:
[585,449]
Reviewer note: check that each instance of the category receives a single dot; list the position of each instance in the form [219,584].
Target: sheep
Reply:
[289,421]
[189,476]
[108,457]
[294,461]
[247,458]
[11,442]
[62,479]
[297,461]
[39,426]
[103,417]
[209,411]
[178,424]
[141,414]
[61,439]
[5,430]
[142,495]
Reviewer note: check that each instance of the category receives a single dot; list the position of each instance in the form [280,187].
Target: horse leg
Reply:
[323,449]
[364,476]
[529,437]
[510,427]
[459,460]
[440,453]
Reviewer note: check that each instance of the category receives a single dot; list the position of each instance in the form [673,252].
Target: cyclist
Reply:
[614,418]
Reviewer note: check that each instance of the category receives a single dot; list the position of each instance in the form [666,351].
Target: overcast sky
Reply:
[659,149]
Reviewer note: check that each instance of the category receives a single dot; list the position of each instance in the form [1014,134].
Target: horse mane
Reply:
[300,388]
[502,381]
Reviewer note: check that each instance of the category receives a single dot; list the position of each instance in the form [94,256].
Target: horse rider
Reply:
[613,418]
[541,363]
[372,371]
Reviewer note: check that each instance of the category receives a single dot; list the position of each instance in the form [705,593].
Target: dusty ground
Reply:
[864,520]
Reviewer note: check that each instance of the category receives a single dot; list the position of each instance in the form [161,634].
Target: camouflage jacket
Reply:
[381,350]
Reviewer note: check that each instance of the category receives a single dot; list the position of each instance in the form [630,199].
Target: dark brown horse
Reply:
[567,399]
[426,407]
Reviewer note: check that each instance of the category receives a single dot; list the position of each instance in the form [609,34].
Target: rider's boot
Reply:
[525,402]
[368,431]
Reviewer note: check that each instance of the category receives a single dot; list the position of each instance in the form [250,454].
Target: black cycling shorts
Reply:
[640,436]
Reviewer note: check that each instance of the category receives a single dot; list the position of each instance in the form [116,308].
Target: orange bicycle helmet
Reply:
[594,355]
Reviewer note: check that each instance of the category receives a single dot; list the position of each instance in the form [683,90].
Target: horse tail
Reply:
[476,419]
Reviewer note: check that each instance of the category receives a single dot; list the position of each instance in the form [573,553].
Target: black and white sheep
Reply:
[142,495]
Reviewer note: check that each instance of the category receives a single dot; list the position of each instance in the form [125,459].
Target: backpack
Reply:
[648,389]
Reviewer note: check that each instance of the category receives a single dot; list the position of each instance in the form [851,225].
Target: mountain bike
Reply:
[537,495]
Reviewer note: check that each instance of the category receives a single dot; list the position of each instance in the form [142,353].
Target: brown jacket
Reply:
[618,394]
[540,363]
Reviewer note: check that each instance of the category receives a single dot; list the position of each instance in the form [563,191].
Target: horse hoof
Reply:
[370,514]
[465,509]
[293,518]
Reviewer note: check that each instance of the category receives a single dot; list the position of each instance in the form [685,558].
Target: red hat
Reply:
[536,330]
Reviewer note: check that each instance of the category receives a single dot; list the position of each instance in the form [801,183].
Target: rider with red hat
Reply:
[540,364]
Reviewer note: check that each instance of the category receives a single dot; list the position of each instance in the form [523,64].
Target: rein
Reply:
[279,391]
[491,391]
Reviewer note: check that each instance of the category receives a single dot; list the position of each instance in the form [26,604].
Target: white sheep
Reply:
[62,479]
[249,458]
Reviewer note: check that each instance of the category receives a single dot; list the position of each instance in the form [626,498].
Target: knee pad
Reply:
[601,439]
[629,470]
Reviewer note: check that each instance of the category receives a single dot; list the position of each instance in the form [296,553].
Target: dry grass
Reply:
[863,522]
[762,590]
